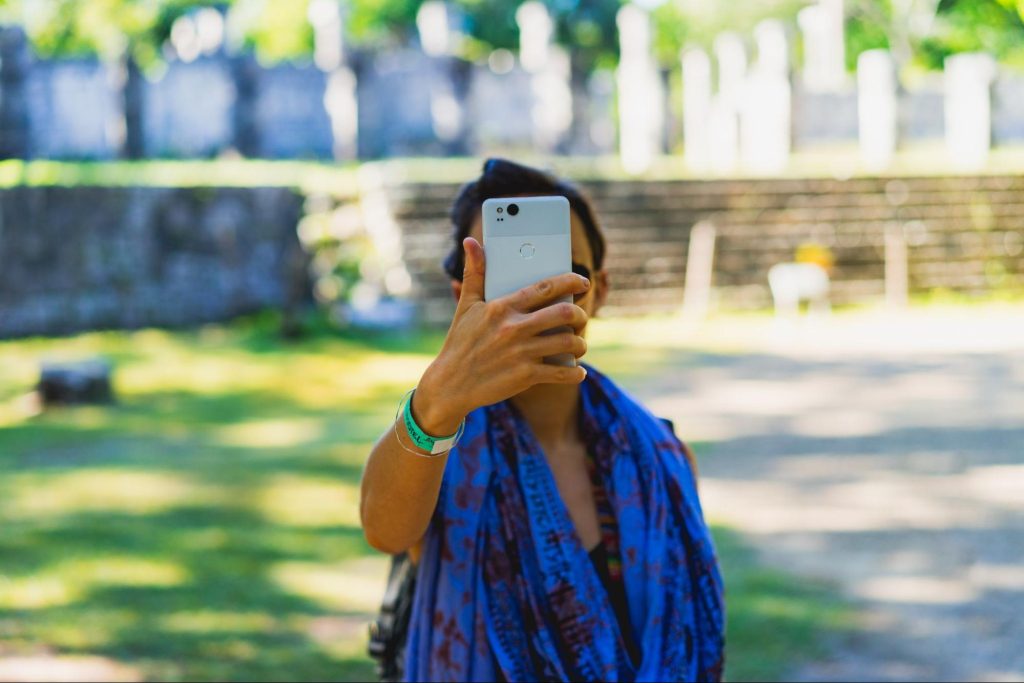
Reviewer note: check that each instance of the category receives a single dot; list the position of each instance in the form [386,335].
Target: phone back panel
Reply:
[523,249]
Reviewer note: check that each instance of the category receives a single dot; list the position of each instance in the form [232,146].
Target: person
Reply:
[561,537]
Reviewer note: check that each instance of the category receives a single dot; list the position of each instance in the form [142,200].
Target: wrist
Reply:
[433,410]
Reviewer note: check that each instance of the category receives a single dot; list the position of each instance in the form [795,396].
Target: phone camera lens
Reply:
[513,209]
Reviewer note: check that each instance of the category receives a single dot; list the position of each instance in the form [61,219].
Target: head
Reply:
[502,178]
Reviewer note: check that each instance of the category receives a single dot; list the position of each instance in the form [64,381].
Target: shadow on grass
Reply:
[247,484]
[166,593]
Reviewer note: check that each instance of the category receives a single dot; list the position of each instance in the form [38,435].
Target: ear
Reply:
[457,289]
[600,291]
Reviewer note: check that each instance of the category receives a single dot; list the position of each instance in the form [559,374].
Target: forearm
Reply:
[399,487]
[494,350]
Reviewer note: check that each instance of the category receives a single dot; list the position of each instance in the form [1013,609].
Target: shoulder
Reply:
[625,400]
[668,423]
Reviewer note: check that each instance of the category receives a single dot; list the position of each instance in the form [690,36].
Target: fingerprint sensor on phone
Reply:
[527,250]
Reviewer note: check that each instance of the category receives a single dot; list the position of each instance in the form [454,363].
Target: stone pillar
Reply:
[325,16]
[132,85]
[641,118]
[897,277]
[824,45]
[437,24]
[550,72]
[968,81]
[601,111]
[340,94]
[245,74]
[876,108]
[725,106]
[696,108]
[433,23]
[766,108]
[536,35]
[699,271]
[15,66]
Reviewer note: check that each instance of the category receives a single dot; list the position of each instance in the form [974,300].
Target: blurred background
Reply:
[221,227]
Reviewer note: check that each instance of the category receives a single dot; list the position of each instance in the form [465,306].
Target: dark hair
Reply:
[503,178]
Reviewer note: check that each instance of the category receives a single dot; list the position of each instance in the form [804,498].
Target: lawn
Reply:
[206,527]
[823,161]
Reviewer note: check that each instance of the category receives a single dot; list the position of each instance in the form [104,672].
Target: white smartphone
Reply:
[527,239]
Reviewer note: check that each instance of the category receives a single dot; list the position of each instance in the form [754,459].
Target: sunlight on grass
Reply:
[839,160]
[123,570]
[331,380]
[773,620]
[72,580]
[32,494]
[310,502]
[206,526]
[309,175]
[37,592]
[209,621]
[352,586]
[280,433]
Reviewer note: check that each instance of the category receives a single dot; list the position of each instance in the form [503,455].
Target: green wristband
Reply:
[434,444]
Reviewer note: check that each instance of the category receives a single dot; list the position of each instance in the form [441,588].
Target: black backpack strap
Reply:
[690,457]
[389,632]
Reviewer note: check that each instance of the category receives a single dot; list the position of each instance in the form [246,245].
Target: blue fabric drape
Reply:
[505,588]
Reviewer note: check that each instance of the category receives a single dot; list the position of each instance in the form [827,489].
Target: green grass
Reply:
[206,527]
[826,161]
[773,621]
[307,175]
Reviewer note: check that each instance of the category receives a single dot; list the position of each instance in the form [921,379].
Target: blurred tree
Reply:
[281,30]
[678,23]
[925,32]
[994,26]
[382,22]
[107,28]
[587,26]
[917,31]
[277,29]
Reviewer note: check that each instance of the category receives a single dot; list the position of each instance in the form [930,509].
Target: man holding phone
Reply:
[555,520]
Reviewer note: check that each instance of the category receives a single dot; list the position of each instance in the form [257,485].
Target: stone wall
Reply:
[963,233]
[78,258]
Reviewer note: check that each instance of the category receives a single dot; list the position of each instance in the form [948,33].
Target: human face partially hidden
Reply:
[592,300]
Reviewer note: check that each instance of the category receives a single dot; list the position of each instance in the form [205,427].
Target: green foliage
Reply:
[108,28]
[282,31]
[918,31]
[925,32]
[382,21]
[589,30]
[994,26]
[868,25]
[770,617]
[100,27]
[679,23]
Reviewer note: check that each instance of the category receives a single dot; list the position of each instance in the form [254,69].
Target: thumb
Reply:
[473,275]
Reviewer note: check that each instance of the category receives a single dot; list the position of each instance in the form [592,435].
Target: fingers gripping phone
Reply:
[527,239]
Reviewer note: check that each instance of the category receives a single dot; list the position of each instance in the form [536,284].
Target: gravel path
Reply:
[885,455]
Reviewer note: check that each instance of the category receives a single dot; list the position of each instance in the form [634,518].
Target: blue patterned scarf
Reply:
[505,588]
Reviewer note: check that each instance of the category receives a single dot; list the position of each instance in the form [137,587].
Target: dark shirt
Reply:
[617,596]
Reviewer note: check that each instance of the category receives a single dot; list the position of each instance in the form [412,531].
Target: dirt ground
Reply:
[884,454]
